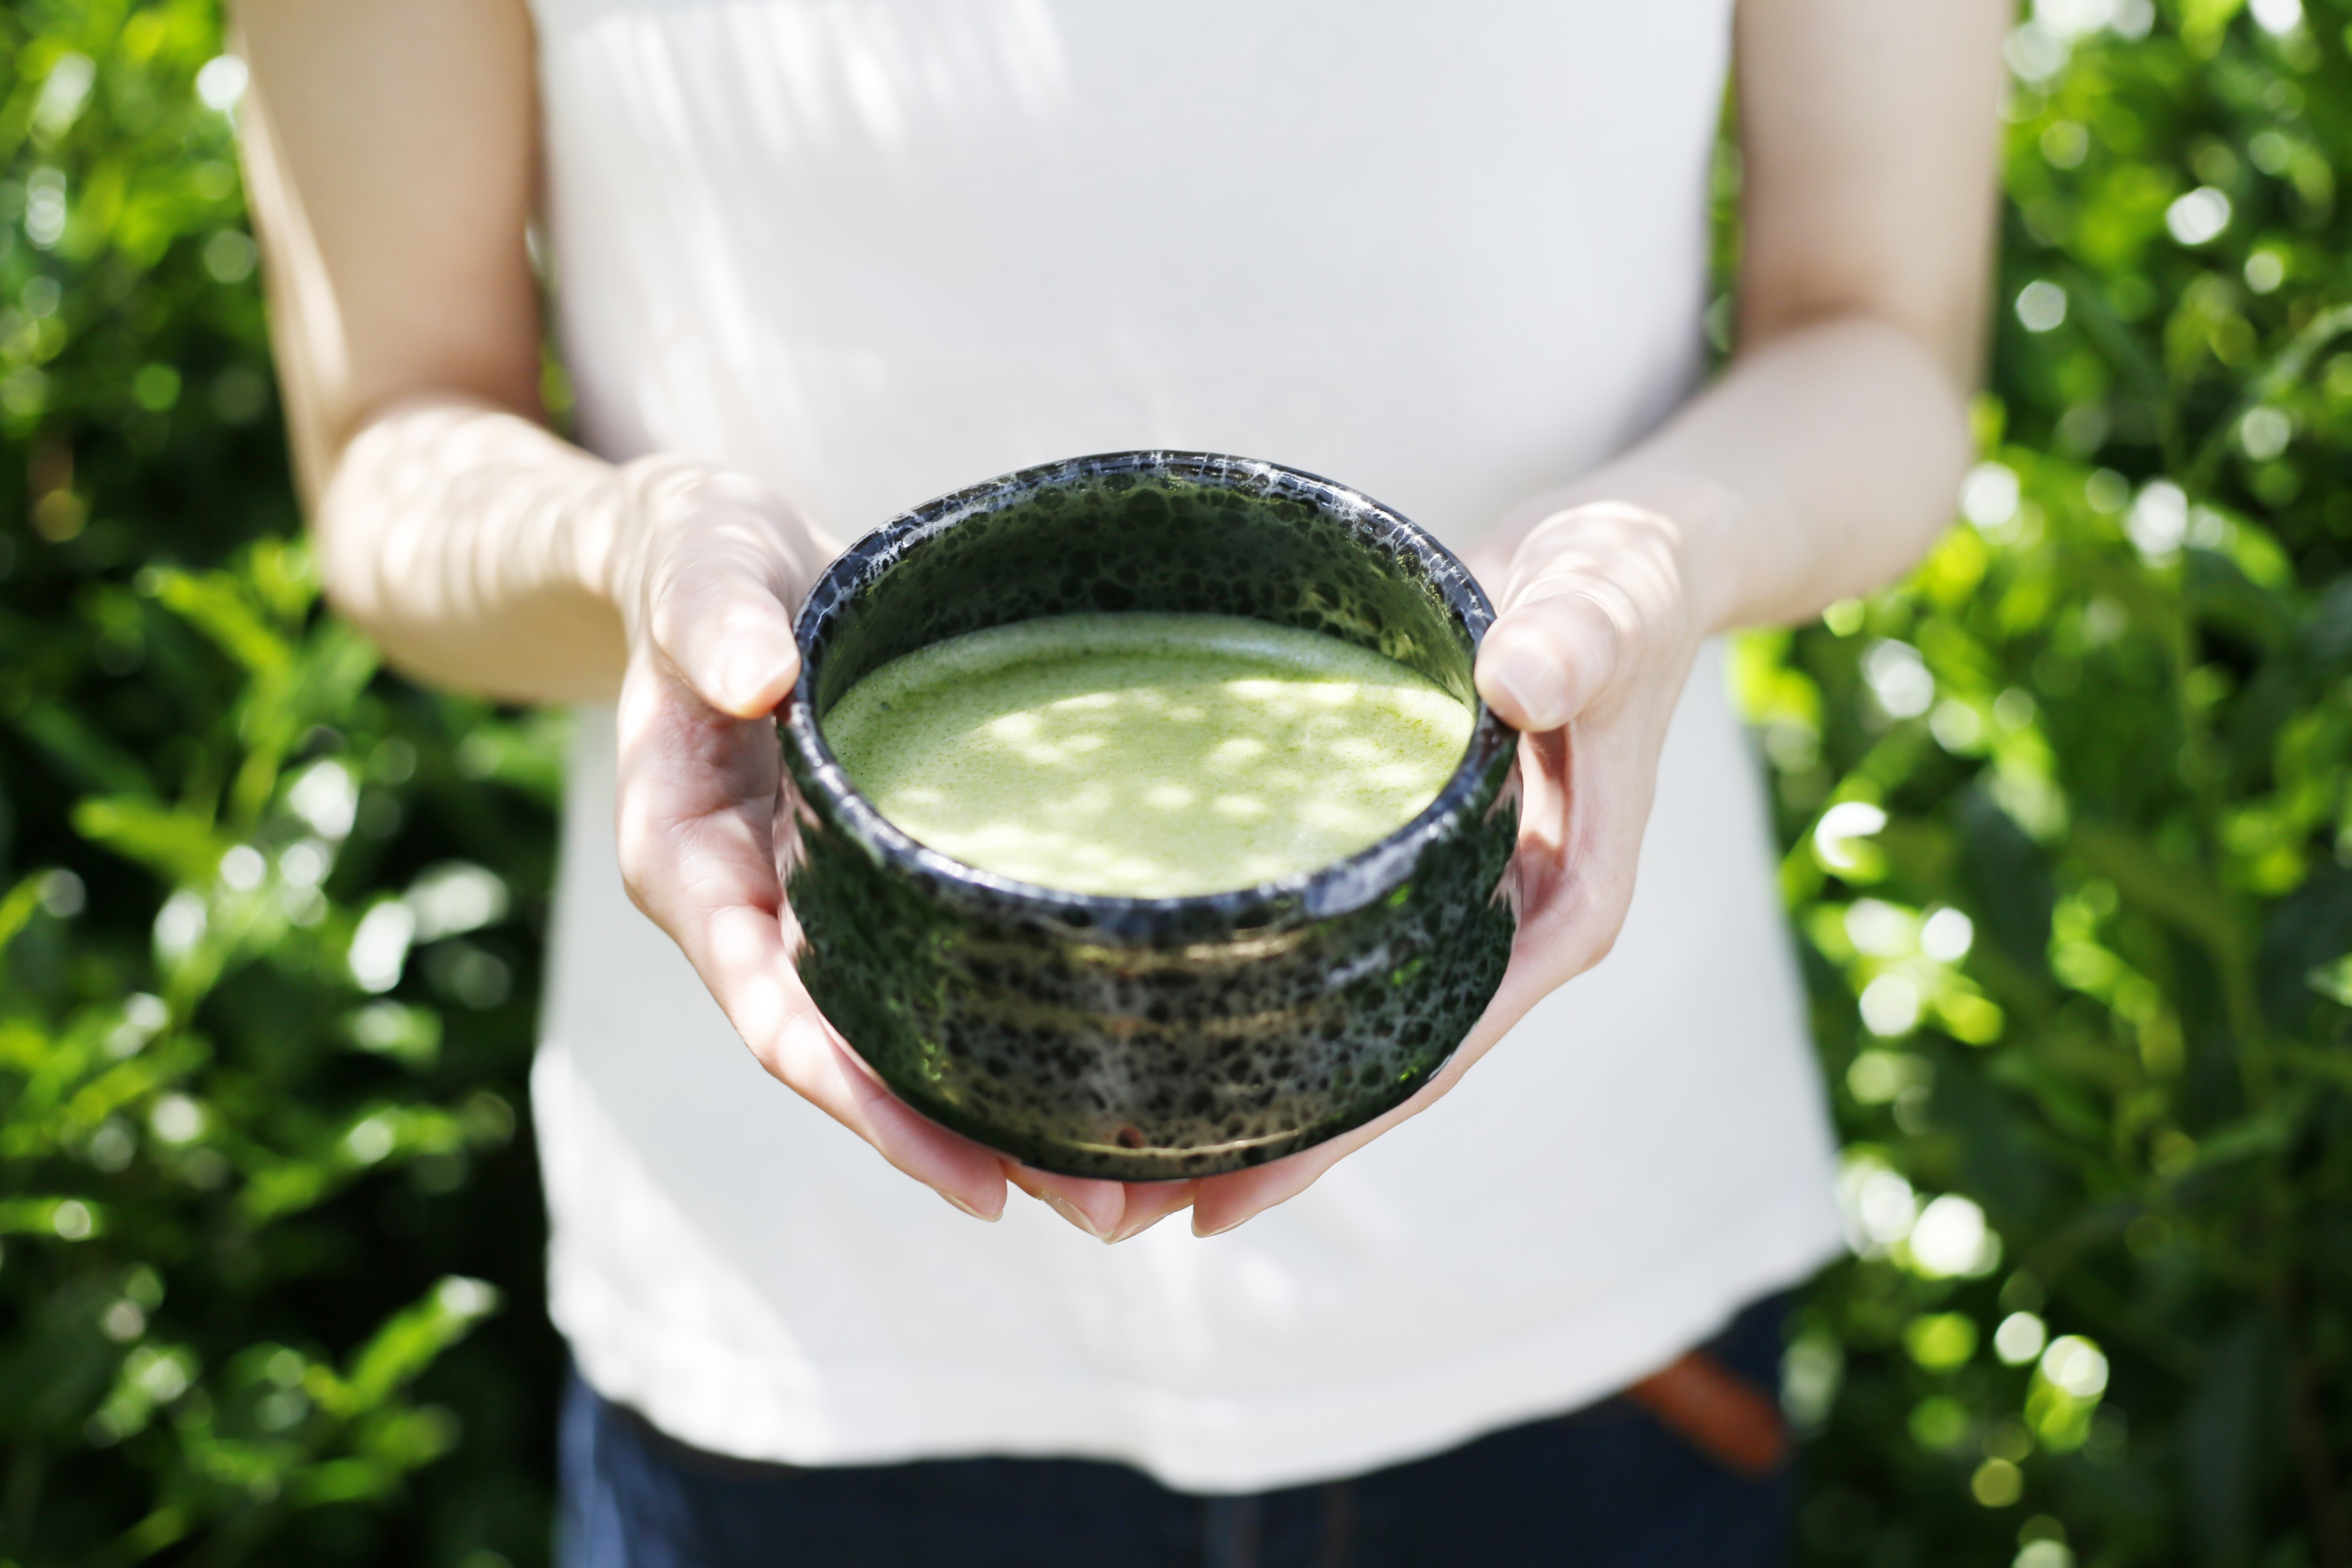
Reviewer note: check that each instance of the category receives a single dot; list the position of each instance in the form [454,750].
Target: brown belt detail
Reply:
[1717,1411]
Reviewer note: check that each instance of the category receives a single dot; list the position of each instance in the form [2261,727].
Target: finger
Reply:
[730,635]
[744,961]
[695,813]
[696,804]
[725,564]
[1580,847]
[1594,605]
[816,1062]
[1589,584]
[1095,1206]
[1148,1202]
[1543,661]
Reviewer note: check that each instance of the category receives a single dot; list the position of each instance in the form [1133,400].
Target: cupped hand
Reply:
[1597,634]
[1590,653]
[708,570]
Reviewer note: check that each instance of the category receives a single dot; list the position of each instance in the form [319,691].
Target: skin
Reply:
[391,164]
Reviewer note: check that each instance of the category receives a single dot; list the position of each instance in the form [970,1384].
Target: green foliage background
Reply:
[2069,847]
[2109,723]
[269,1238]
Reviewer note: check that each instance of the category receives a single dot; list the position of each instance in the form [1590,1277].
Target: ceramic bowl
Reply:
[1149,1038]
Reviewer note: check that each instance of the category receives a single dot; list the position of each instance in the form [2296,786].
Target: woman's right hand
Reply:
[709,570]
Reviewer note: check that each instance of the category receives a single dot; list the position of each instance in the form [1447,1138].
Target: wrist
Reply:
[1704,528]
[644,498]
[674,517]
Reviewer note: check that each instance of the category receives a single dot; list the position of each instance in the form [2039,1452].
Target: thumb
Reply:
[711,581]
[730,638]
[1545,659]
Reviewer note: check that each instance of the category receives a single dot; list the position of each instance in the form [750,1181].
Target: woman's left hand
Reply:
[1598,631]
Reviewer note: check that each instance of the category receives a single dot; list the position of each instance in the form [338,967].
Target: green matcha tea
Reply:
[1147,755]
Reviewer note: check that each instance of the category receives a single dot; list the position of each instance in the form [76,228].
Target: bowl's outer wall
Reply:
[1143,1039]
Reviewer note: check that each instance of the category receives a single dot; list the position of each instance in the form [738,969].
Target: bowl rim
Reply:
[1336,889]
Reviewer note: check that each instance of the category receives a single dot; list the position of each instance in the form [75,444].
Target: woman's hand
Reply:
[1597,635]
[1588,658]
[707,572]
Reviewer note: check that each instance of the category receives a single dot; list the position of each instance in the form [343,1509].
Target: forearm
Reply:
[1820,465]
[479,549]
[487,555]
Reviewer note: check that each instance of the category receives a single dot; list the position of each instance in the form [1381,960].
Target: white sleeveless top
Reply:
[873,250]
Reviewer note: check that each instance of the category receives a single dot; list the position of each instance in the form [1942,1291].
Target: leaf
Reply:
[2334,980]
[409,1342]
[177,843]
[2179,895]
[2289,365]
[2012,894]
[217,604]
[2335,1066]
[74,1219]
[336,665]
[79,751]
[18,906]
[2306,939]
[282,572]
[345,1481]
[2246,1139]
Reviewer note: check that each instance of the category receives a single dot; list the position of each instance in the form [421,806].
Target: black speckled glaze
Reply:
[1150,1038]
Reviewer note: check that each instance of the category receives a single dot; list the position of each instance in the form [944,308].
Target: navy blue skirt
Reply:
[1605,1487]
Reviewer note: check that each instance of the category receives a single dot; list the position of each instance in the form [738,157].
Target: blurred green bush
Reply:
[2069,829]
[268,915]
[2069,846]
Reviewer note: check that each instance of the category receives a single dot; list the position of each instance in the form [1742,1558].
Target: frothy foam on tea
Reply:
[1147,755]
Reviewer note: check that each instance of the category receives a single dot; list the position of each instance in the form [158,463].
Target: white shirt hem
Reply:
[716,1396]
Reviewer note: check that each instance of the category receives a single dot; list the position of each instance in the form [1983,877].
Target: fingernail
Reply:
[1536,682]
[983,1218]
[1221,1230]
[1134,1231]
[1069,1211]
[746,675]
